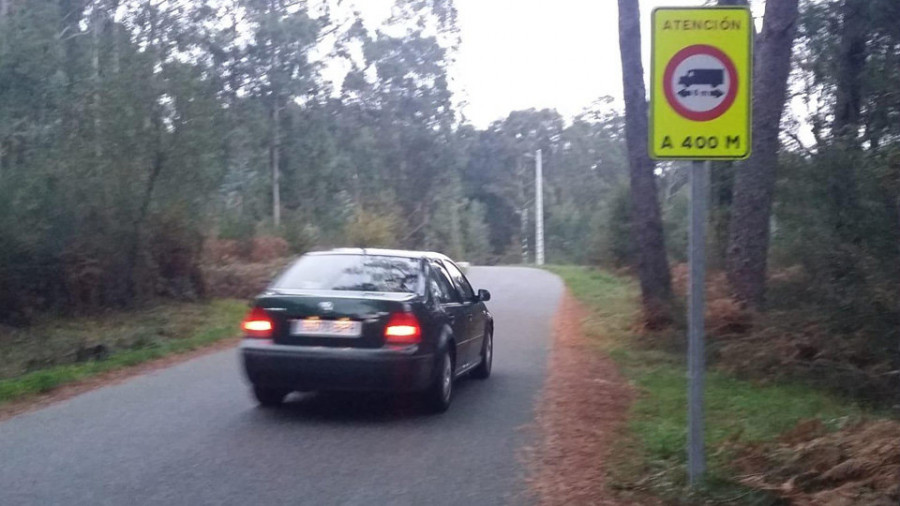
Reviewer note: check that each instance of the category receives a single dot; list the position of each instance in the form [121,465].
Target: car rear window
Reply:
[366,273]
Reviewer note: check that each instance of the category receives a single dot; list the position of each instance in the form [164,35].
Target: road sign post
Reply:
[700,111]
[699,180]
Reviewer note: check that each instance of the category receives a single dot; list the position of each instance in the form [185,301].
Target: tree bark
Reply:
[852,61]
[4,13]
[897,205]
[273,161]
[96,21]
[845,149]
[722,192]
[897,356]
[722,197]
[71,14]
[275,118]
[754,184]
[116,56]
[135,281]
[647,230]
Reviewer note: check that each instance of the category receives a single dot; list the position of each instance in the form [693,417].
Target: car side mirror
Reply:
[484,295]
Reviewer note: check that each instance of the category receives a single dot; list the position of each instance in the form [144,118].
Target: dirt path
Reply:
[582,412]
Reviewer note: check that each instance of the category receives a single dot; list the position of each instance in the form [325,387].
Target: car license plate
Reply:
[326,328]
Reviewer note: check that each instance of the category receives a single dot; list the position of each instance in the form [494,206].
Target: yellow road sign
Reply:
[700,88]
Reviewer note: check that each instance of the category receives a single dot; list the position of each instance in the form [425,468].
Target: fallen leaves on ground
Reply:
[810,466]
[582,412]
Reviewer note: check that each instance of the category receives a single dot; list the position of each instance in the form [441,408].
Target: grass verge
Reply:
[737,412]
[131,337]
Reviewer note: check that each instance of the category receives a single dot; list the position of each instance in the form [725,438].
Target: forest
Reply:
[132,134]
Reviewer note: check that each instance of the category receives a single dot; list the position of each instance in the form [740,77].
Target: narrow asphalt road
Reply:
[190,434]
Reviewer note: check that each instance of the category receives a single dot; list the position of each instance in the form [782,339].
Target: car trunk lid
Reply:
[331,317]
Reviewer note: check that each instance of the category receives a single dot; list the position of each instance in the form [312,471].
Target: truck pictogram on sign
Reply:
[711,77]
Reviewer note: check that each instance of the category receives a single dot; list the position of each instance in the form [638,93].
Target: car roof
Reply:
[383,252]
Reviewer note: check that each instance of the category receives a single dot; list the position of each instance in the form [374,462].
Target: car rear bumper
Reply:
[348,369]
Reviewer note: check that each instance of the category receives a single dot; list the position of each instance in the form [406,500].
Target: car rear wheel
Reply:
[440,393]
[483,371]
[269,397]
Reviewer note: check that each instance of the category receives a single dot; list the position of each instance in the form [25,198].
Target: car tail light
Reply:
[403,328]
[257,324]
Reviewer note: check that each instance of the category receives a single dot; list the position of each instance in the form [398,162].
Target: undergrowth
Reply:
[738,412]
[127,338]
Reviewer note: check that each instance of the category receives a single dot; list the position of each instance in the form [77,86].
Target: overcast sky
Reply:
[518,54]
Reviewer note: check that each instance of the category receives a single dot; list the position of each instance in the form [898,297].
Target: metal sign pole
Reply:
[696,347]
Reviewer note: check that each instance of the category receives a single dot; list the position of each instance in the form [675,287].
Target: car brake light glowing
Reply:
[257,324]
[403,328]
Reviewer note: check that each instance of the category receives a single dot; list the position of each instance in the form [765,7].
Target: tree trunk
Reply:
[897,204]
[4,12]
[852,61]
[95,66]
[71,13]
[722,197]
[116,57]
[273,161]
[897,359]
[755,182]
[647,230]
[845,149]
[722,192]
[275,117]
[95,95]
[135,282]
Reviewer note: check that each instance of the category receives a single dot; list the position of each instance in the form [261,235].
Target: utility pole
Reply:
[539,209]
[523,210]
[523,219]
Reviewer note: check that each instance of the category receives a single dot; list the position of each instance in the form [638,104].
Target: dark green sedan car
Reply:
[368,320]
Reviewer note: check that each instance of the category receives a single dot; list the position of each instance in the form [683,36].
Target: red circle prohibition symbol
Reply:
[686,53]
